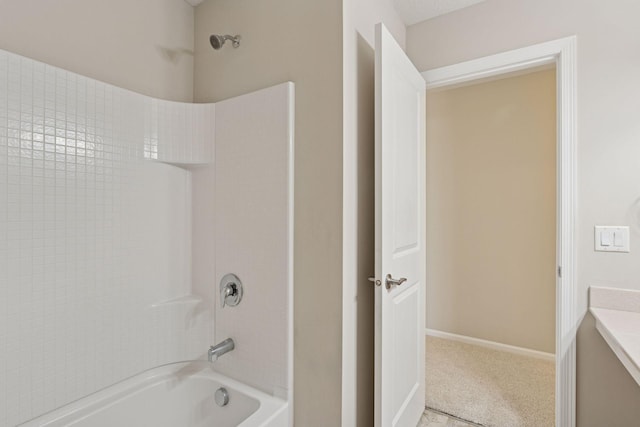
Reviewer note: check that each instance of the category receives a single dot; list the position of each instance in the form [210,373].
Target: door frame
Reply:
[562,53]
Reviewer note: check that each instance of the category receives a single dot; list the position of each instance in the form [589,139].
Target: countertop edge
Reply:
[609,333]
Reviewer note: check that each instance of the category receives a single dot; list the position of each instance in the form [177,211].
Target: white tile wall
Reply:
[178,133]
[253,235]
[92,234]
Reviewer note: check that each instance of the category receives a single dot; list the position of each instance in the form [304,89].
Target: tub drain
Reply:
[222,396]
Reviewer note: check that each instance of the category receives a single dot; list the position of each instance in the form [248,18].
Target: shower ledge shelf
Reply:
[188,165]
[183,300]
[617,314]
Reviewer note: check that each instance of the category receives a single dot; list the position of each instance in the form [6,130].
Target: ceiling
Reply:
[414,11]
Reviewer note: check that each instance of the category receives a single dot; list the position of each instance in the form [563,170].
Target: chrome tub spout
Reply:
[215,351]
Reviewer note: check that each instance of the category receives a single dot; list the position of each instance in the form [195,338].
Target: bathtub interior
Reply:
[171,403]
[174,395]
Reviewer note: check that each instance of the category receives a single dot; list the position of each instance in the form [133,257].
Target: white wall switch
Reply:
[606,237]
[611,238]
[618,238]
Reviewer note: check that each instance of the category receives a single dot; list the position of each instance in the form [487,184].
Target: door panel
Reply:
[405,349]
[400,235]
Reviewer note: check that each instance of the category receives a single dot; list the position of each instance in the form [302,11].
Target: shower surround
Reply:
[99,191]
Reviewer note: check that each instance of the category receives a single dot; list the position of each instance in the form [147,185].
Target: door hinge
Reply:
[560,271]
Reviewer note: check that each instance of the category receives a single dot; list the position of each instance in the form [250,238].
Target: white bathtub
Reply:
[176,395]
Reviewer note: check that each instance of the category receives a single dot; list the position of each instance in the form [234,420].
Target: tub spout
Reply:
[215,351]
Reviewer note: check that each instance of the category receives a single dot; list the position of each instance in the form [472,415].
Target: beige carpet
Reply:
[489,387]
[431,418]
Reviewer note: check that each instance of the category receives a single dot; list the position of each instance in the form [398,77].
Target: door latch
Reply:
[375,281]
[390,281]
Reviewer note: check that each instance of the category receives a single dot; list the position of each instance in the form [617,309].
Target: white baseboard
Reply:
[491,344]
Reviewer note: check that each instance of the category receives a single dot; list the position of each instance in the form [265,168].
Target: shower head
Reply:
[218,41]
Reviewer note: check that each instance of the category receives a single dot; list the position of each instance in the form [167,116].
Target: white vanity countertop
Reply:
[617,314]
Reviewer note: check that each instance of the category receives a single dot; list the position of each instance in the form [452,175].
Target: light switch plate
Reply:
[611,238]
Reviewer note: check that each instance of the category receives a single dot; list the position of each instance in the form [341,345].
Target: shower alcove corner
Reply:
[122,231]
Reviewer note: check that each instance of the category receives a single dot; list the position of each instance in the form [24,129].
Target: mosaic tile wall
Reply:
[94,235]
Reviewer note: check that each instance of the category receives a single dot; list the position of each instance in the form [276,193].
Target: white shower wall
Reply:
[243,214]
[254,234]
[95,235]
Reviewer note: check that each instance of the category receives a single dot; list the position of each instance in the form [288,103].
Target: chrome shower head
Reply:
[218,41]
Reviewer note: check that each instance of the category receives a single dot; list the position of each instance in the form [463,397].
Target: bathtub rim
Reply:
[270,407]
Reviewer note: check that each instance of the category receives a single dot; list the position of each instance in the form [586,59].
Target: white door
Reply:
[400,236]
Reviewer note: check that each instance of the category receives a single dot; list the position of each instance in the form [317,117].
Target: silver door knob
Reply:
[390,281]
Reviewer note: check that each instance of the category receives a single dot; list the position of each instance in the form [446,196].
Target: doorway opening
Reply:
[562,55]
[491,243]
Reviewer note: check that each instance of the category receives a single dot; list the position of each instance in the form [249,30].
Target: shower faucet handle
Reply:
[231,290]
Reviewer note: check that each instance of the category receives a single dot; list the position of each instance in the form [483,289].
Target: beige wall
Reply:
[143,45]
[359,19]
[299,41]
[491,211]
[608,149]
